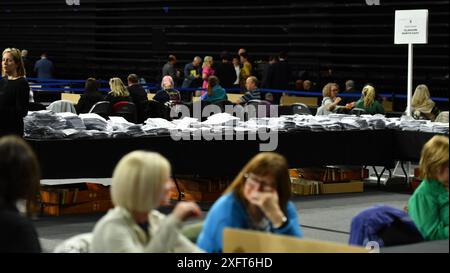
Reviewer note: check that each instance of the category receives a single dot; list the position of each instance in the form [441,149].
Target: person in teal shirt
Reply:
[258,199]
[215,91]
[368,101]
[428,206]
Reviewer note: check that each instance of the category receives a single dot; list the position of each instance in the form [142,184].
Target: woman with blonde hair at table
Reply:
[118,92]
[368,101]
[422,106]
[141,183]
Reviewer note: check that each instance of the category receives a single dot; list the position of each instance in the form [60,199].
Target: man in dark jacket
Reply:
[138,95]
[169,69]
[225,71]
[192,78]
[278,76]
[268,71]
[349,89]
[27,63]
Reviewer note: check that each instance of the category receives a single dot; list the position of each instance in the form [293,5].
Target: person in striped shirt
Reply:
[253,93]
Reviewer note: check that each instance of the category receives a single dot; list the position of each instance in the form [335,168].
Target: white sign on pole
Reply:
[411,26]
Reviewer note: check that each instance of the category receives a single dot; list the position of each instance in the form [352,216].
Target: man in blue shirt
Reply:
[44,67]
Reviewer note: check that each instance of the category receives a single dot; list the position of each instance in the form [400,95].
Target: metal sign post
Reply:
[410,79]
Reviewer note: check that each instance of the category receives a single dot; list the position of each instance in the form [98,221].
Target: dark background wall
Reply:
[114,38]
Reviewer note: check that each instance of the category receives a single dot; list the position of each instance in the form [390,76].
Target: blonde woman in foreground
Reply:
[141,182]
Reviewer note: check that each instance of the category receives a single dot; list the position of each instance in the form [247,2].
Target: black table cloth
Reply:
[96,158]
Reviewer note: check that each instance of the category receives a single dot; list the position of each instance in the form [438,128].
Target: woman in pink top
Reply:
[207,72]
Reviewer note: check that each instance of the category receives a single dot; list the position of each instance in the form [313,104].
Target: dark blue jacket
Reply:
[367,225]
[189,75]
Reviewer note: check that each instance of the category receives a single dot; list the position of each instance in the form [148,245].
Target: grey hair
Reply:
[350,84]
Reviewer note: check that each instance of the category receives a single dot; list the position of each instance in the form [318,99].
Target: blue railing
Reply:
[46,85]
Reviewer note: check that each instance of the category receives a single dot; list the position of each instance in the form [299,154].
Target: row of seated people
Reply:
[136,93]
[422,106]
[132,101]
[258,199]
[154,109]
[136,97]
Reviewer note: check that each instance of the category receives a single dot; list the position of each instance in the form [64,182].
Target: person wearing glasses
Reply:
[330,102]
[258,199]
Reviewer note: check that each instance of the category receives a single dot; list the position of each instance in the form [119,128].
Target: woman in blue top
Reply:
[215,91]
[258,199]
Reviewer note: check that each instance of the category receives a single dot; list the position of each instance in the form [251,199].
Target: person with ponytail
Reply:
[368,101]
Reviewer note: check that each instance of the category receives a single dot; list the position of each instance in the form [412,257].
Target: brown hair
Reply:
[265,164]
[212,81]
[19,171]
[434,156]
[133,78]
[91,85]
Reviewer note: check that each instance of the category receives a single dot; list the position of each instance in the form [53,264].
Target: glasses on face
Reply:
[256,183]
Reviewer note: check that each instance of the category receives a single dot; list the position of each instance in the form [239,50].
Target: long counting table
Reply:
[96,158]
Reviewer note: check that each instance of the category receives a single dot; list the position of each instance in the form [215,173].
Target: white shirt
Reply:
[238,72]
[117,232]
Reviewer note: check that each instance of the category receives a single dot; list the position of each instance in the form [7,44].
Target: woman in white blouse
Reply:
[141,182]
[330,102]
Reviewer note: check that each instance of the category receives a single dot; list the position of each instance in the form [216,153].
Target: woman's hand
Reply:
[350,105]
[267,201]
[184,210]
